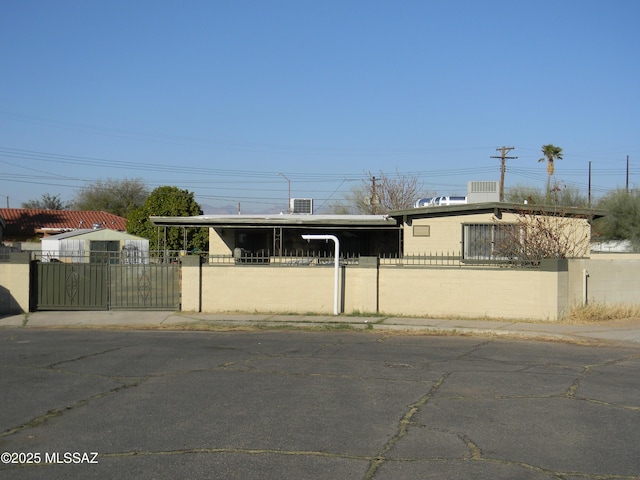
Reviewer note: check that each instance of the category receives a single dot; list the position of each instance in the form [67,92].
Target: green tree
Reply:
[46,202]
[560,195]
[622,219]
[550,153]
[169,202]
[118,197]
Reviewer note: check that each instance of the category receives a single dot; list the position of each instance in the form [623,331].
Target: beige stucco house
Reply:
[426,261]
[488,231]
[476,231]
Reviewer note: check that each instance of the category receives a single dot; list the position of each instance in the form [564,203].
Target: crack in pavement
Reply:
[403,427]
[59,411]
[587,369]
[82,357]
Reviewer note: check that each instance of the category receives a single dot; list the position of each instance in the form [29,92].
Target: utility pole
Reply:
[589,188]
[503,157]
[627,183]
[289,209]
[373,201]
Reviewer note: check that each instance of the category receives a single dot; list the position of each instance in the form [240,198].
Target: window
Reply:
[486,241]
[104,251]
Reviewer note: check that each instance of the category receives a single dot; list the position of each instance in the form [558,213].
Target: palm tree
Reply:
[551,153]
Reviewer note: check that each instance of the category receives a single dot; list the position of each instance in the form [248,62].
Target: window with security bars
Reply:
[486,241]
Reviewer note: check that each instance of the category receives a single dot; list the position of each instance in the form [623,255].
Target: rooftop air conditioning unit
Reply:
[301,205]
[483,191]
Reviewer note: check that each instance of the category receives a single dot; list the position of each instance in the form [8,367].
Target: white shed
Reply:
[95,245]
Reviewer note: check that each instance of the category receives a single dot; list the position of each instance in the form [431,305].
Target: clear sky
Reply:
[230,98]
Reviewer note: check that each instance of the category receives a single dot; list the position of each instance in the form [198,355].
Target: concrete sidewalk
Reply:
[627,331]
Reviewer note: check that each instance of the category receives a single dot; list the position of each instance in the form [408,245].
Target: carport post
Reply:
[336,265]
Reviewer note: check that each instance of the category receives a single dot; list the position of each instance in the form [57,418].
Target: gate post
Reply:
[191,283]
[14,284]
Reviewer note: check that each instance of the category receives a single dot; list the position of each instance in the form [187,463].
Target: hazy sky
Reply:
[229,99]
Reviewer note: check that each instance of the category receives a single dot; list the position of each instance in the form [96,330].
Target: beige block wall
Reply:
[414,291]
[467,292]
[267,289]
[191,284]
[360,290]
[14,288]
[610,281]
[277,289]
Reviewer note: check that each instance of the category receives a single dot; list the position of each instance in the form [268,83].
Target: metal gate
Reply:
[144,286]
[102,286]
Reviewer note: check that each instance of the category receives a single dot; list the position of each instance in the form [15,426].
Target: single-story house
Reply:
[95,246]
[475,231]
[425,261]
[29,225]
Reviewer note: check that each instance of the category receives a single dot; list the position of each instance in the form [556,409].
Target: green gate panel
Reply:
[144,286]
[72,286]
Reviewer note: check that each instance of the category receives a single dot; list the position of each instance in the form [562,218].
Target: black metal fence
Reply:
[311,257]
[5,253]
[123,257]
[286,258]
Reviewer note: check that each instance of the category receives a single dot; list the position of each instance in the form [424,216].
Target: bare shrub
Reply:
[536,236]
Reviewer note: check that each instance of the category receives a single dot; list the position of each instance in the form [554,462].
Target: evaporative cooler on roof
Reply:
[301,205]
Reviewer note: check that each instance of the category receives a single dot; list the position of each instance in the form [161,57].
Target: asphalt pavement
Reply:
[290,404]
[618,331]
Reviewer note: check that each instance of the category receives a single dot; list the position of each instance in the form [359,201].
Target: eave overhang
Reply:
[283,220]
[497,208]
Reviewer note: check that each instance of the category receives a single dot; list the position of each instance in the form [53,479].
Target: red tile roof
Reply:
[31,222]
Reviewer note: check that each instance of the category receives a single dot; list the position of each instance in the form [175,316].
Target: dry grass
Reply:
[600,312]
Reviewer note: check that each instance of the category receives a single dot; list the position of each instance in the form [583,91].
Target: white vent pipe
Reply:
[336,265]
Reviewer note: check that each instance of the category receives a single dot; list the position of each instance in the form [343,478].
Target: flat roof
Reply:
[278,220]
[471,208]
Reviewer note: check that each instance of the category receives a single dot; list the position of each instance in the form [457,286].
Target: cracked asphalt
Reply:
[316,405]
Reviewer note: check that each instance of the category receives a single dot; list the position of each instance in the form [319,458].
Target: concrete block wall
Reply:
[468,292]
[390,290]
[14,285]
[611,280]
[267,289]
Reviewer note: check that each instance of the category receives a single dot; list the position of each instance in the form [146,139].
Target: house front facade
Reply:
[496,231]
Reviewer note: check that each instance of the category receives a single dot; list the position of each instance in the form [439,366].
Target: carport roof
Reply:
[278,220]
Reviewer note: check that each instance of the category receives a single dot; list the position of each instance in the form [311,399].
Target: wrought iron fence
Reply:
[453,259]
[449,259]
[287,258]
[5,253]
[124,257]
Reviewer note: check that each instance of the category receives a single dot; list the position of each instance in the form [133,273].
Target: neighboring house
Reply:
[3,226]
[29,225]
[95,246]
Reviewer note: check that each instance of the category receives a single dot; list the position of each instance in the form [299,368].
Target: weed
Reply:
[600,312]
